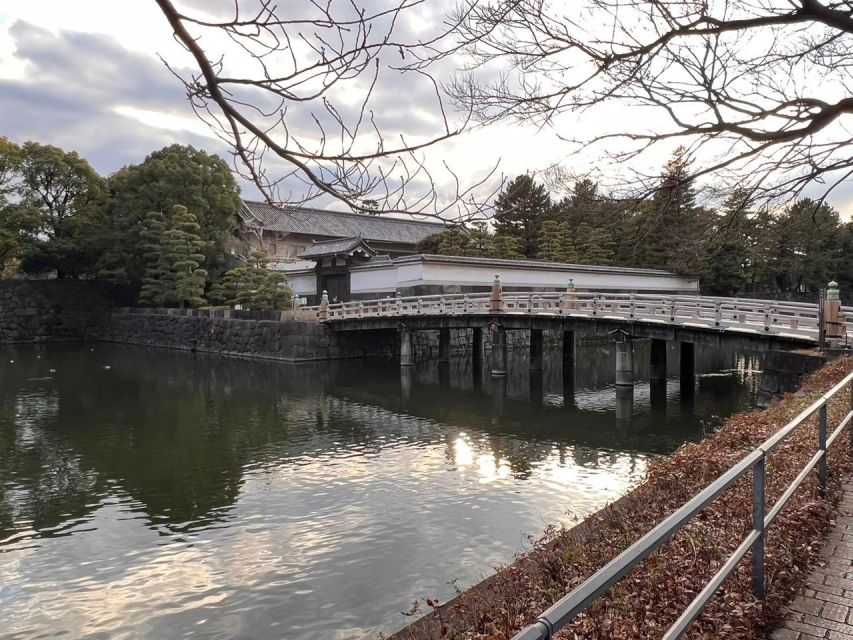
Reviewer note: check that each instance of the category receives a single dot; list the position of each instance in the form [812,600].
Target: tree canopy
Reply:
[175,175]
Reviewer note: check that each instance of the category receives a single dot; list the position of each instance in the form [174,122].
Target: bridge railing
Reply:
[793,319]
[562,612]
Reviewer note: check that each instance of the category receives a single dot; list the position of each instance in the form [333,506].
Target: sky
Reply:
[87,76]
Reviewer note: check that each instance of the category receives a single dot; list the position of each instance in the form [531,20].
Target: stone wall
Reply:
[291,341]
[784,370]
[47,310]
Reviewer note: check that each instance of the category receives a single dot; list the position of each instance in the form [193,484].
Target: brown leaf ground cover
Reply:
[649,599]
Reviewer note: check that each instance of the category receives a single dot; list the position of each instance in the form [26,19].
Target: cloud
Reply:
[76,91]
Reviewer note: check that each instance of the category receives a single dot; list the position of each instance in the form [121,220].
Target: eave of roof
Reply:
[518,264]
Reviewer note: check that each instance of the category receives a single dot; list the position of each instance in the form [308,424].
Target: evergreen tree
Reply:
[598,247]
[183,251]
[454,242]
[667,230]
[507,248]
[253,286]
[520,211]
[550,245]
[724,267]
[174,175]
[568,248]
[156,283]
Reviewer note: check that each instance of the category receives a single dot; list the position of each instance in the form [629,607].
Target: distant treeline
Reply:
[733,249]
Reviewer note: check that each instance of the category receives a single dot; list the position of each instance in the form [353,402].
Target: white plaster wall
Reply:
[470,275]
[303,284]
[377,280]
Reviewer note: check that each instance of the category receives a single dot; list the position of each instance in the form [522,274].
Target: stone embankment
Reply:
[249,334]
[54,310]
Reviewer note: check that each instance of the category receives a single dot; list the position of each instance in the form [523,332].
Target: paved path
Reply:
[824,606]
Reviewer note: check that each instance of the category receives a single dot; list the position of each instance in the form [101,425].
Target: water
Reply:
[156,494]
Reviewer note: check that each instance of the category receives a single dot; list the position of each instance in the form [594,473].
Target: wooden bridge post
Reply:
[498,350]
[497,295]
[323,311]
[537,346]
[407,351]
[657,368]
[833,322]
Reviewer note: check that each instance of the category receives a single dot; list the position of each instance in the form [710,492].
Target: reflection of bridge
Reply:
[754,324]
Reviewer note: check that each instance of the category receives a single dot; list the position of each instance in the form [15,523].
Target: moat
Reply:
[157,494]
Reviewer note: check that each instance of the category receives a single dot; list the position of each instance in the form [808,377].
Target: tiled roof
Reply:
[336,248]
[337,224]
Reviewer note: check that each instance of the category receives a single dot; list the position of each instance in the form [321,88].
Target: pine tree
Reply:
[550,245]
[568,249]
[253,286]
[183,251]
[507,247]
[454,243]
[667,231]
[155,281]
[520,211]
[599,247]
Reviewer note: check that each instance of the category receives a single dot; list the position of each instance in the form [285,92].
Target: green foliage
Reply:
[520,211]
[174,175]
[596,245]
[507,247]
[67,194]
[174,252]
[156,284]
[568,248]
[183,250]
[550,242]
[253,286]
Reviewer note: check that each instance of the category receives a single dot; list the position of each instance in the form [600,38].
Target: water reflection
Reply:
[171,494]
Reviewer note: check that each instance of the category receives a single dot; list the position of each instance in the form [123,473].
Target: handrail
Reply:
[581,597]
[769,317]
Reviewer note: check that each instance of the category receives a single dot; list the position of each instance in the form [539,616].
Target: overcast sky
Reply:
[86,76]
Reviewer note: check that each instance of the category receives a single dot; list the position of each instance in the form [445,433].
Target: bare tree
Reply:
[296,91]
[757,90]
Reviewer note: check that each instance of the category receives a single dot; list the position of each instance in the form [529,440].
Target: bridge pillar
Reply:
[568,368]
[624,360]
[537,345]
[687,366]
[477,347]
[444,345]
[624,404]
[406,379]
[657,395]
[537,387]
[498,350]
[407,350]
[657,368]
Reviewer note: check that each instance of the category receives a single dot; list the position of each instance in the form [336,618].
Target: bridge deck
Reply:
[763,318]
[824,606]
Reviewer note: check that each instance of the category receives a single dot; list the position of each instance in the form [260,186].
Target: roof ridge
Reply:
[291,210]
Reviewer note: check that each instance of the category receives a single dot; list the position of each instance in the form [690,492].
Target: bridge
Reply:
[689,320]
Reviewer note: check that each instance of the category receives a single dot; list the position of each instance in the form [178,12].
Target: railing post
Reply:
[672,310]
[497,295]
[851,409]
[718,314]
[758,525]
[631,306]
[821,465]
[324,305]
[766,319]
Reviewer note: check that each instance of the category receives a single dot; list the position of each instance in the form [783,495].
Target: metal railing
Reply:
[567,608]
[791,319]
